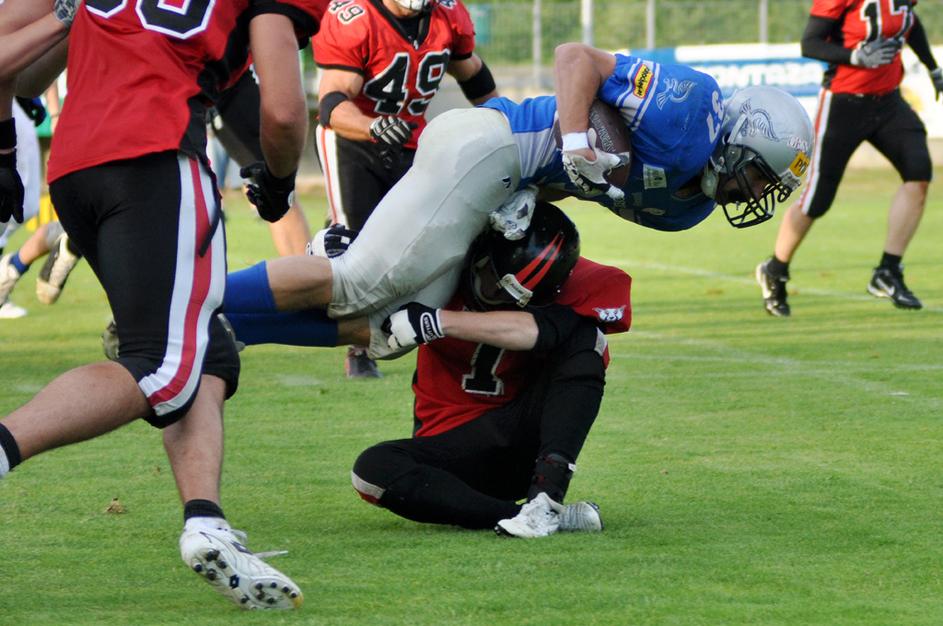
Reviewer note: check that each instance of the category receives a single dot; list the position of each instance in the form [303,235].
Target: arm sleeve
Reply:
[463,31]
[816,42]
[304,14]
[917,38]
[555,324]
[341,46]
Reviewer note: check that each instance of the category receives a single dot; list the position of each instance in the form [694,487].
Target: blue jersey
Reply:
[674,114]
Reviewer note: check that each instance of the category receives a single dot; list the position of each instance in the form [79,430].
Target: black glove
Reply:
[271,195]
[34,109]
[391,130]
[413,324]
[937,77]
[11,189]
[337,239]
[875,53]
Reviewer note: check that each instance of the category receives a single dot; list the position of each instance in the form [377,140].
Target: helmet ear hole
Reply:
[526,272]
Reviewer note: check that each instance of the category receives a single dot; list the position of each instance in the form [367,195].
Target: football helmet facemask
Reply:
[766,136]
[529,271]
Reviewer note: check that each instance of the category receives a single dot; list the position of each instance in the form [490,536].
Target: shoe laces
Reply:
[243,538]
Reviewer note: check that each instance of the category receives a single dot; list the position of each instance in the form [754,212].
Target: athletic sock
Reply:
[891,262]
[9,451]
[552,474]
[311,328]
[71,247]
[201,510]
[777,268]
[18,263]
[248,291]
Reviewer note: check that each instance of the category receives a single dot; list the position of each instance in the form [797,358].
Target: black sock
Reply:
[777,268]
[552,476]
[70,245]
[201,508]
[891,262]
[10,447]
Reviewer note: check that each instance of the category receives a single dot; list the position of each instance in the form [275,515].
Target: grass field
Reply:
[749,470]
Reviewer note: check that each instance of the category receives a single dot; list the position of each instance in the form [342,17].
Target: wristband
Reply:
[7,134]
[575,141]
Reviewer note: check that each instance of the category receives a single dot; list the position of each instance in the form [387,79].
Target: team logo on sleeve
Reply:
[610,315]
[675,90]
[642,81]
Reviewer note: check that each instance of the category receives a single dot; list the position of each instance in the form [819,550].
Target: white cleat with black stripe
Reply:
[220,557]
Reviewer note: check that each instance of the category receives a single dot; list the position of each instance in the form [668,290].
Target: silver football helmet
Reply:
[766,137]
[415,5]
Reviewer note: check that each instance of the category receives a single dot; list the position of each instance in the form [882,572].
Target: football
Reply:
[612,135]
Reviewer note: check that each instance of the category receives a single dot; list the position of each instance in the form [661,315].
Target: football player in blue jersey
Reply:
[691,151]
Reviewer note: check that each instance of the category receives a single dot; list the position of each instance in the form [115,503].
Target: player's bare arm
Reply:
[34,80]
[344,118]
[579,72]
[283,110]
[474,78]
[510,330]
[21,48]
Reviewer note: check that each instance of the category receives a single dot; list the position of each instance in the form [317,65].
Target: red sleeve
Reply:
[304,14]
[342,44]
[601,293]
[463,30]
[830,9]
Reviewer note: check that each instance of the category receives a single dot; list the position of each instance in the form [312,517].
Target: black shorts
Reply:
[843,122]
[358,174]
[152,231]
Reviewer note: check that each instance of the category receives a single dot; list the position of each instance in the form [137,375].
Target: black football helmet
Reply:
[530,271]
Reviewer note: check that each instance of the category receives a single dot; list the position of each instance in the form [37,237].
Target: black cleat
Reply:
[774,290]
[889,283]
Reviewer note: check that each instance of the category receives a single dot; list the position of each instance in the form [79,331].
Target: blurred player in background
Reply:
[131,183]
[382,62]
[29,171]
[509,379]
[860,101]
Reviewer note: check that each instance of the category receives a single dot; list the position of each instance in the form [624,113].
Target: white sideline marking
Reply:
[743,280]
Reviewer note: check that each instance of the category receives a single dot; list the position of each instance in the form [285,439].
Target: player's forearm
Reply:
[579,72]
[348,122]
[21,48]
[511,330]
[36,79]
[816,44]
[921,45]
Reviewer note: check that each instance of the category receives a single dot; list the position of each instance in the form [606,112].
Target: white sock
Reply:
[207,523]
[4,463]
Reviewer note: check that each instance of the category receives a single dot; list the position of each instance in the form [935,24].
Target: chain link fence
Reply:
[526,31]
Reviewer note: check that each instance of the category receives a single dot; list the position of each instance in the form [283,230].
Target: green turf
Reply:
[749,470]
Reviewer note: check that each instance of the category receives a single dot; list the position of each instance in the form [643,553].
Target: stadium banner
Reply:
[782,65]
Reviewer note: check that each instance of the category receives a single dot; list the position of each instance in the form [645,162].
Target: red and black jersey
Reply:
[142,74]
[401,74]
[857,21]
[457,381]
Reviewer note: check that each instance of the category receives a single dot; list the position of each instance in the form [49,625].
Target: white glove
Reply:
[513,217]
[589,176]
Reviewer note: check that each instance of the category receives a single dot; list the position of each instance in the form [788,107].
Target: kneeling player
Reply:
[507,386]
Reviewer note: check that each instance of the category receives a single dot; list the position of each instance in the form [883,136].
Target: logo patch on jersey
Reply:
[800,164]
[448,4]
[610,315]
[676,91]
[654,177]
[642,81]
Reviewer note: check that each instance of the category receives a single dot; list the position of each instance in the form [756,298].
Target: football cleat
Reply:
[580,517]
[60,262]
[774,290]
[8,277]
[10,311]
[359,365]
[220,557]
[889,283]
[538,518]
